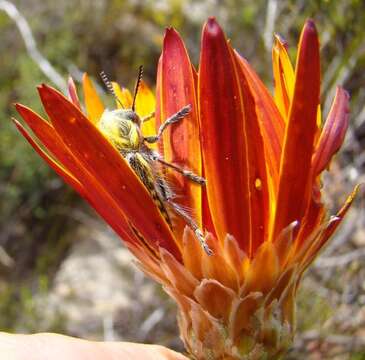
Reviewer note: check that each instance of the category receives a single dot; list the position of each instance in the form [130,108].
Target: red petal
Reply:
[181,142]
[109,168]
[73,172]
[230,141]
[295,176]
[333,133]
[61,171]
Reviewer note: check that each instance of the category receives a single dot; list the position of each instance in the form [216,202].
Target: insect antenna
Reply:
[109,86]
[138,83]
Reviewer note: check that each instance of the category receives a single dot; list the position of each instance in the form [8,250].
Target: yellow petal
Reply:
[123,95]
[93,103]
[145,106]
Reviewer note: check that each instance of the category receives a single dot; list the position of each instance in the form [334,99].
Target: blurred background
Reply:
[61,268]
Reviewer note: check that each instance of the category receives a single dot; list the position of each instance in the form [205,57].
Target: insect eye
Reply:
[132,116]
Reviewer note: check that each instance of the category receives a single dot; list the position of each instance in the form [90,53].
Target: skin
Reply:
[47,346]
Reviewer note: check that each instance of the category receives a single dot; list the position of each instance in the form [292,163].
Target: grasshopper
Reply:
[123,128]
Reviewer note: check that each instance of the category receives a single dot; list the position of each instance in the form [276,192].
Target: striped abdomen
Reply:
[144,171]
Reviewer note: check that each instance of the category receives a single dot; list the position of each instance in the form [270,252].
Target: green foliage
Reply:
[314,309]
[17,302]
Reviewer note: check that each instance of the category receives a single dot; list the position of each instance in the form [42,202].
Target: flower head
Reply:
[262,158]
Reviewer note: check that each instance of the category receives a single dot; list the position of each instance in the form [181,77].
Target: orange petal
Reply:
[93,104]
[283,77]
[109,168]
[212,265]
[215,298]
[333,133]
[192,253]
[295,187]
[264,270]
[181,142]
[271,123]
[234,256]
[256,168]
[313,218]
[205,328]
[243,314]
[230,141]
[72,92]
[180,278]
[283,243]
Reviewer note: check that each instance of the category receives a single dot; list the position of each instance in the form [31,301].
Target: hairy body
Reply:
[123,128]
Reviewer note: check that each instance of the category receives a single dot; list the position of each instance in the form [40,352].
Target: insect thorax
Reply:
[122,128]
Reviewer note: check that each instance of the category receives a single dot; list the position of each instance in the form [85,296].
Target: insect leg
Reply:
[191,223]
[148,117]
[171,120]
[189,174]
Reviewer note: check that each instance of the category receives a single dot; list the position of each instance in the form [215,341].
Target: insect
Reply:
[123,128]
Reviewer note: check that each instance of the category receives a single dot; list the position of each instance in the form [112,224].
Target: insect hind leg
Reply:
[187,173]
[191,223]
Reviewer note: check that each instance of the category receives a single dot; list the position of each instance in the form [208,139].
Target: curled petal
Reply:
[333,133]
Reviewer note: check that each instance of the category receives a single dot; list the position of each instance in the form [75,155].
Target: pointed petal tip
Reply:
[170,31]
[310,23]
[21,108]
[45,88]
[346,93]
[15,121]
[212,27]
[281,40]
[171,35]
[310,27]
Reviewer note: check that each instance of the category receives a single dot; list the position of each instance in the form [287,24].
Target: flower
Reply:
[261,208]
